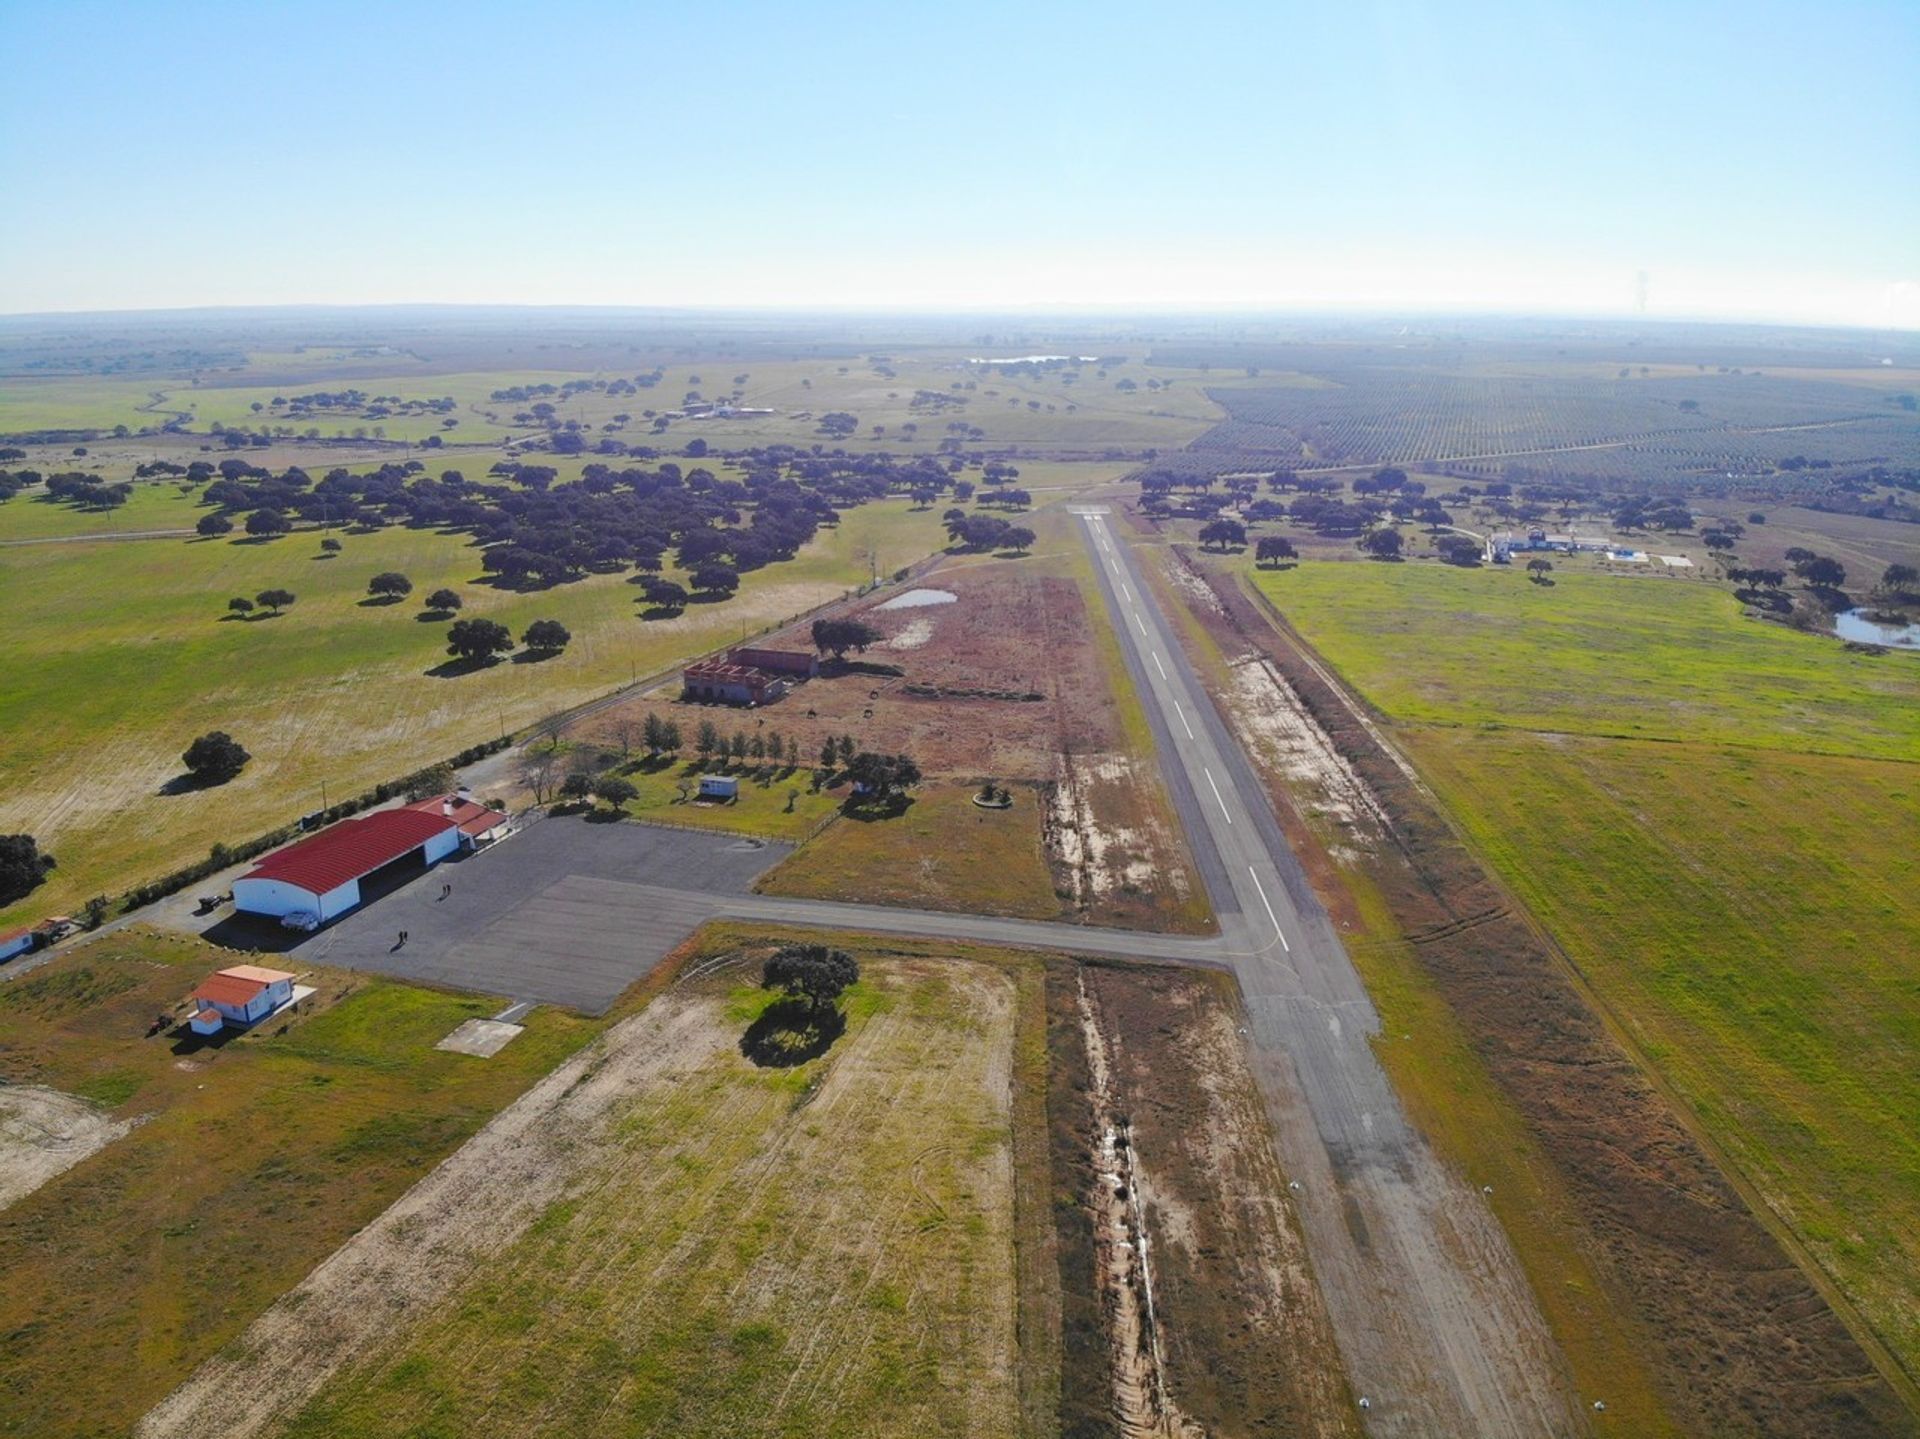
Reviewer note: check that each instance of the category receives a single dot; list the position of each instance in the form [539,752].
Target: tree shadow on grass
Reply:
[789,1032]
[454,668]
[534,657]
[190,783]
[651,764]
[661,612]
[380,602]
[433,617]
[867,809]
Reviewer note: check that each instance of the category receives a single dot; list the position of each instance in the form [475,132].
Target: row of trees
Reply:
[479,641]
[978,532]
[764,747]
[272,601]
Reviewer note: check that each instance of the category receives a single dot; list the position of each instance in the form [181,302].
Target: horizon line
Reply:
[1033,309]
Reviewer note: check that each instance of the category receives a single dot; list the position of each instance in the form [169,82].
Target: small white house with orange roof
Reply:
[241,995]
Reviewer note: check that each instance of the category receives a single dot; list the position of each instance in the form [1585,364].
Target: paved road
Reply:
[1439,1328]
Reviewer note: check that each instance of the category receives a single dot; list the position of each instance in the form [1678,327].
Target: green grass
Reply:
[119,655]
[76,403]
[945,852]
[1753,919]
[825,1250]
[253,1162]
[153,506]
[762,807]
[1743,896]
[1635,656]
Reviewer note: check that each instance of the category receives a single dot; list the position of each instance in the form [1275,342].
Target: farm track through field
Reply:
[99,535]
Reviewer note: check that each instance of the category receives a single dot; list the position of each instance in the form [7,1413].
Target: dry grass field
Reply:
[664,1238]
[236,1167]
[1018,680]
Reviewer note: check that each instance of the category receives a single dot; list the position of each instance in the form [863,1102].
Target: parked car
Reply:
[304,920]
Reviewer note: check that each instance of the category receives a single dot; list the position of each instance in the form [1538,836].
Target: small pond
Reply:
[1854,625]
[917,599]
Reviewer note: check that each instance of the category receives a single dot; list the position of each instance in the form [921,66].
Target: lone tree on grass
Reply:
[1537,570]
[810,972]
[275,600]
[214,525]
[1222,534]
[547,637]
[330,545]
[615,791]
[443,602]
[389,585]
[22,866]
[240,605]
[1273,550]
[265,524]
[836,637]
[215,758]
[576,786]
[477,641]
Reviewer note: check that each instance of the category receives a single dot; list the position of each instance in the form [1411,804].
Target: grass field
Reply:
[1045,411]
[825,1250]
[772,803]
[1741,897]
[120,655]
[1753,919]
[252,1163]
[945,852]
[1637,657]
[153,506]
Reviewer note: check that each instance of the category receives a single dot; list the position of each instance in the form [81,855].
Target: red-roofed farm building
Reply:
[241,995]
[321,875]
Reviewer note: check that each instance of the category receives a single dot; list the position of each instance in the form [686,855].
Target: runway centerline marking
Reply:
[1157,665]
[1217,797]
[1270,914]
[1140,622]
[1183,719]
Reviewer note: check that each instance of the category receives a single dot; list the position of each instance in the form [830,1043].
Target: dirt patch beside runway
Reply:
[1190,1306]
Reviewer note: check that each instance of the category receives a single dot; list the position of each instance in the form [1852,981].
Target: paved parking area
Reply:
[565,912]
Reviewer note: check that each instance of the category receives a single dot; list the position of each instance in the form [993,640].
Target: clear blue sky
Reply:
[1754,159]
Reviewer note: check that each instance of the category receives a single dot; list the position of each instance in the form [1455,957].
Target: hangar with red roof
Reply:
[321,875]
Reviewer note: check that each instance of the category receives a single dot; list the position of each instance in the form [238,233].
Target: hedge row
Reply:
[223,855]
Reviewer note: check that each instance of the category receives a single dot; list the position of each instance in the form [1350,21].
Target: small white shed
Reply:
[719,786]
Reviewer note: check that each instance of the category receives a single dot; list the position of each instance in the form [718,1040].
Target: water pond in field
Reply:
[1855,625]
[919,599]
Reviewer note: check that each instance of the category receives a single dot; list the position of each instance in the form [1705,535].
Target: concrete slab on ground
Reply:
[482,1038]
